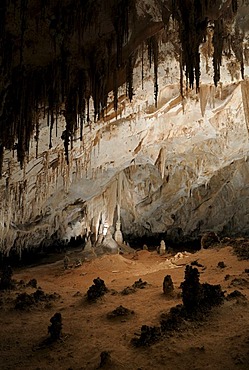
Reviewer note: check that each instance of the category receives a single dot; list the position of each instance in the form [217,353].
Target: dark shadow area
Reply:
[152,241]
[42,254]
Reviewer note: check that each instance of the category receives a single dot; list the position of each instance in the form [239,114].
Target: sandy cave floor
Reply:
[220,342]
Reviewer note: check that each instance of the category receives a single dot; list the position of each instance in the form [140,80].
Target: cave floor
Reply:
[219,342]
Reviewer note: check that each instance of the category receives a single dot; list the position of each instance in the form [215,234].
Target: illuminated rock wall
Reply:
[178,169]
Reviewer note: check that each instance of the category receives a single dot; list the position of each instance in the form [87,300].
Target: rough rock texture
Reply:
[180,168]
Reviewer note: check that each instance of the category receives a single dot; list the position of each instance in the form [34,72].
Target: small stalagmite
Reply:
[168,285]
[162,248]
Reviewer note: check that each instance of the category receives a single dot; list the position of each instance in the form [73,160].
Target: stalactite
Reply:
[192,17]
[22,124]
[88,109]
[142,62]
[161,160]
[192,31]
[129,78]
[218,46]
[37,132]
[81,100]
[203,93]
[98,61]
[23,10]
[212,92]
[56,121]
[153,54]
[181,74]
[155,57]
[237,46]
[115,89]
[48,116]
[82,118]
[51,130]
[150,50]
[71,122]
[121,25]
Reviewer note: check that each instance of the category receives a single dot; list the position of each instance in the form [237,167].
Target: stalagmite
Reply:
[109,243]
[88,245]
[118,234]
[162,248]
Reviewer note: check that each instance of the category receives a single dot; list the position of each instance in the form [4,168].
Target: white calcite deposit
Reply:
[179,169]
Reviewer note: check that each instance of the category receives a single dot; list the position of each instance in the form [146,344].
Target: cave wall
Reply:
[180,168]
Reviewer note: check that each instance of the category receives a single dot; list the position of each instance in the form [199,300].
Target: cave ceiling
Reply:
[55,55]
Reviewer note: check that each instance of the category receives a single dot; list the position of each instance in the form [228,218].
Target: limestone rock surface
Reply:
[178,169]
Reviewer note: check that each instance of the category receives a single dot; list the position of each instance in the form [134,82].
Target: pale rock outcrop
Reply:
[109,244]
